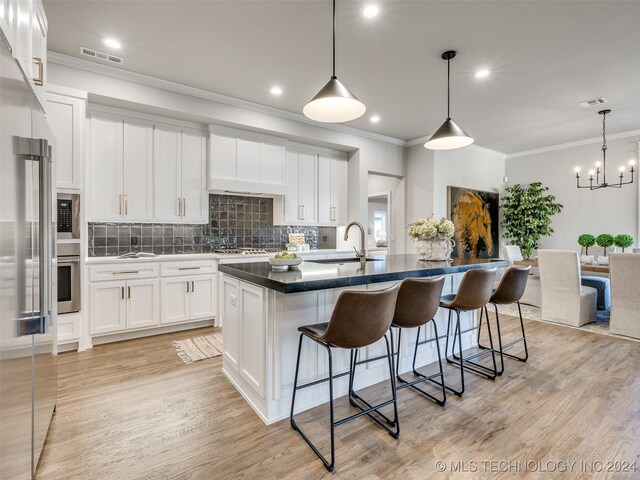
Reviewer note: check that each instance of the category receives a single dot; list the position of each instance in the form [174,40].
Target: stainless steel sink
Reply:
[344,260]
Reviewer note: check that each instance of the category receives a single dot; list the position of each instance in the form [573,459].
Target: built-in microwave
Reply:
[68,216]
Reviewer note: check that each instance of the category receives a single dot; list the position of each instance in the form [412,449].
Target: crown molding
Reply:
[577,143]
[109,71]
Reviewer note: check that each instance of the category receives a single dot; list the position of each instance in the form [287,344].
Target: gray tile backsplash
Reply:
[234,220]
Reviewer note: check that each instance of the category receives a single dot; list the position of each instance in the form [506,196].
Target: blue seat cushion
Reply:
[603,287]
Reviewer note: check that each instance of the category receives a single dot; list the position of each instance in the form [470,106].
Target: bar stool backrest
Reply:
[418,301]
[512,285]
[475,289]
[361,318]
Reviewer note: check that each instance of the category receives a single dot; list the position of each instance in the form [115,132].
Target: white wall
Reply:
[600,211]
[429,174]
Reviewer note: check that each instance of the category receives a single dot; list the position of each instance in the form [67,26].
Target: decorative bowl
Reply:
[284,263]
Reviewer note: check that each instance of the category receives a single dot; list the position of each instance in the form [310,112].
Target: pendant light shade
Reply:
[449,135]
[334,103]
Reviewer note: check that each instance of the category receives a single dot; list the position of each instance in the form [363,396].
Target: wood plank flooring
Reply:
[133,410]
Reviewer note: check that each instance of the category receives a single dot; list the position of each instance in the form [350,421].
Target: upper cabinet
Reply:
[300,202]
[24,26]
[66,116]
[333,181]
[145,172]
[120,169]
[246,162]
[180,167]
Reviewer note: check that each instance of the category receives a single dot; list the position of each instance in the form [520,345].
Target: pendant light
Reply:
[334,103]
[449,135]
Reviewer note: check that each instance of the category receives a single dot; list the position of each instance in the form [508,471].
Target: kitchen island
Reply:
[261,310]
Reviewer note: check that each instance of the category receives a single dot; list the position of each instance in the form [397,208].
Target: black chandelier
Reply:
[603,164]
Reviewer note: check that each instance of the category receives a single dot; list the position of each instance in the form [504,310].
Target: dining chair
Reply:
[624,269]
[533,293]
[564,300]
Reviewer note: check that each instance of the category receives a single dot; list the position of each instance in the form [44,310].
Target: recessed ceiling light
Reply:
[375,119]
[482,73]
[112,43]
[370,11]
[276,91]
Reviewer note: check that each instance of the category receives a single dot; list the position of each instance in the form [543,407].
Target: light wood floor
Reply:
[133,410]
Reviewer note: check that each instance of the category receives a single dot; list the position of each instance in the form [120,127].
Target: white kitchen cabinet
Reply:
[300,202]
[66,116]
[8,21]
[180,189]
[332,190]
[23,47]
[106,168]
[107,307]
[121,169]
[39,29]
[247,162]
[123,305]
[188,298]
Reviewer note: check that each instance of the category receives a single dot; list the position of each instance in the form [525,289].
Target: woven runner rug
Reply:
[199,348]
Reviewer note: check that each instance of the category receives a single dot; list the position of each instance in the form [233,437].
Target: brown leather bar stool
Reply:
[359,319]
[473,294]
[509,291]
[416,306]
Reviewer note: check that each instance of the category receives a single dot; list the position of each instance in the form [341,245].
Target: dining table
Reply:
[585,267]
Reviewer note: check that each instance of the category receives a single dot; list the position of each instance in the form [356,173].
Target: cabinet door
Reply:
[248,168]
[272,164]
[138,171]
[107,307]
[167,175]
[39,50]
[23,47]
[325,200]
[223,157]
[194,178]
[106,169]
[309,187]
[230,308]
[175,299]
[252,360]
[339,190]
[292,207]
[202,296]
[143,303]
[65,116]
[8,21]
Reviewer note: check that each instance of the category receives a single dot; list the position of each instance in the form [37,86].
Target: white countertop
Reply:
[205,256]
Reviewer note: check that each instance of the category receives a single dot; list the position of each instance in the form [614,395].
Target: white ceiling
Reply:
[545,58]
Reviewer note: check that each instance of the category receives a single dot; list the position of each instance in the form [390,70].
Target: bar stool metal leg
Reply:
[502,347]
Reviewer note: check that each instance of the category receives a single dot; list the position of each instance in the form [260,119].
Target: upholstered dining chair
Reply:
[564,300]
[532,294]
[624,269]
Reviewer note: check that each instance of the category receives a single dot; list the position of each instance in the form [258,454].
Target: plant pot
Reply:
[587,259]
[434,250]
[602,260]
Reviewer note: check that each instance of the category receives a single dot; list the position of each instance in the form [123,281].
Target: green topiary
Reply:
[586,240]
[605,240]
[623,241]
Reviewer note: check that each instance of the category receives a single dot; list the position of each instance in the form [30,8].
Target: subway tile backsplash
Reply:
[234,221]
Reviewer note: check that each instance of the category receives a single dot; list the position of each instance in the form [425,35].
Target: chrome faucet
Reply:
[362,254]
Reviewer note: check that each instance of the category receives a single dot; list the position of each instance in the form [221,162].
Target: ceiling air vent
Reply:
[90,52]
[593,102]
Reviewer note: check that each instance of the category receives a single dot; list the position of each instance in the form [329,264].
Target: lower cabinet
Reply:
[121,305]
[187,298]
[150,295]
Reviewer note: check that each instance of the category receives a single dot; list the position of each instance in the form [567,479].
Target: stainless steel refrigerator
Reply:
[28,376]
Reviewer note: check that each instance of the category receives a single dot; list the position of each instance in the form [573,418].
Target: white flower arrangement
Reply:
[430,228]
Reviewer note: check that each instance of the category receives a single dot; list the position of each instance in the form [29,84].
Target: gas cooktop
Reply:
[247,251]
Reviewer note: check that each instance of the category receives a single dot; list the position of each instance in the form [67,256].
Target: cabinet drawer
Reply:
[68,327]
[123,271]
[193,267]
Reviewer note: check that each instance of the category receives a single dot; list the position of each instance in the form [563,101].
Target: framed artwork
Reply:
[475,215]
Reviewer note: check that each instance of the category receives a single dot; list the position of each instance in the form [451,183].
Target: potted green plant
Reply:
[586,240]
[604,240]
[527,212]
[432,238]
[623,241]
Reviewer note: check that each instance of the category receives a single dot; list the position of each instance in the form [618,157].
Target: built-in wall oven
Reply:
[68,257]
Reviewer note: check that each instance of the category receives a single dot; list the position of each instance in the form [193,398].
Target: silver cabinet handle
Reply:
[122,293]
[303,215]
[126,205]
[119,204]
[179,206]
[184,207]
[125,272]
[128,292]
[187,282]
[193,286]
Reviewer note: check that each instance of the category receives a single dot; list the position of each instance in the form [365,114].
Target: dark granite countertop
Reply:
[321,276]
